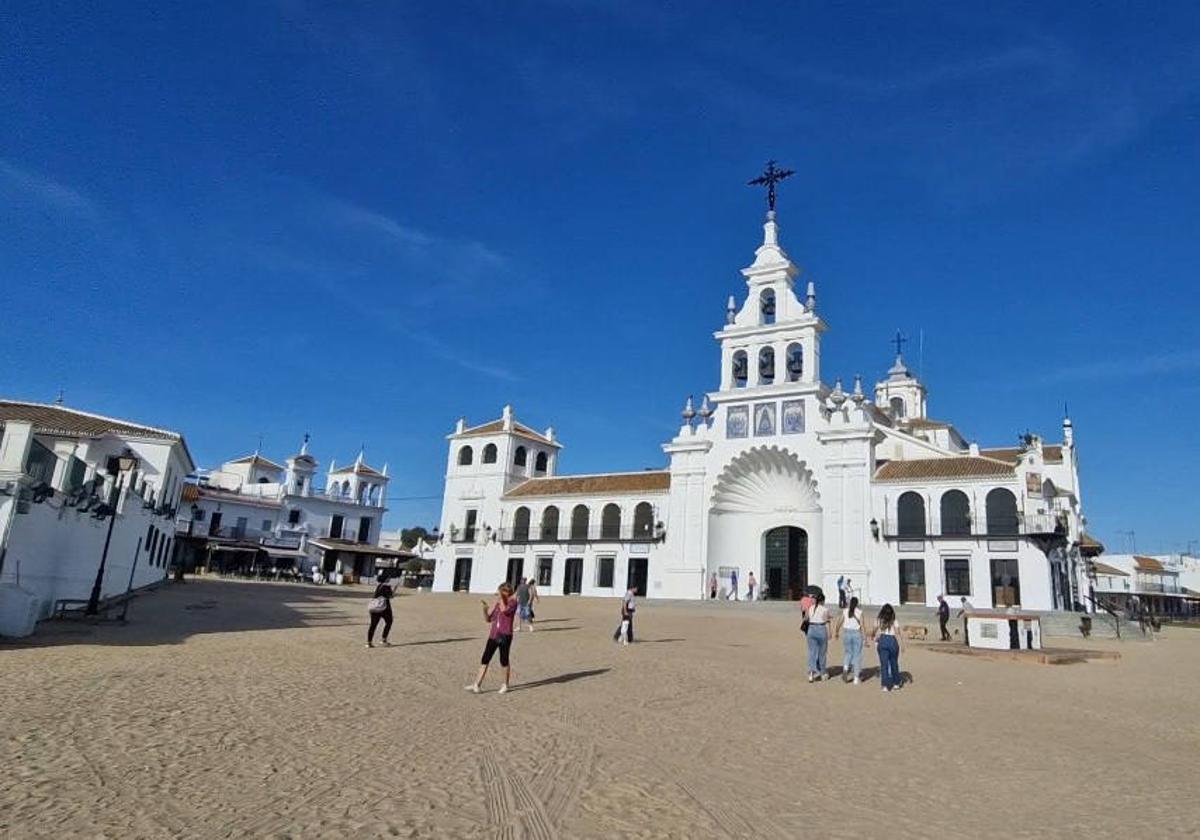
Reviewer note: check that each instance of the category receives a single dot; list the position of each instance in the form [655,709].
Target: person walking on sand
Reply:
[943,612]
[841,585]
[628,606]
[380,609]
[964,608]
[850,628]
[534,598]
[712,587]
[818,639]
[733,590]
[751,583]
[887,632]
[523,608]
[500,615]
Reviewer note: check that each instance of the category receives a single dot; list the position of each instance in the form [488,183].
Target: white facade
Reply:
[252,504]
[60,493]
[779,474]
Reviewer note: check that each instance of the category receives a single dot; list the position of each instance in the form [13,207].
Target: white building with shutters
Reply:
[779,474]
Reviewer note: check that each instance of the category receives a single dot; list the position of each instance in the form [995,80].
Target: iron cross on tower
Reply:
[770,177]
[899,341]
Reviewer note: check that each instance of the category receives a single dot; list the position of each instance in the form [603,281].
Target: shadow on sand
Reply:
[171,613]
[561,678]
[436,641]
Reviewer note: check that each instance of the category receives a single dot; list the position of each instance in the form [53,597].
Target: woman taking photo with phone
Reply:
[500,615]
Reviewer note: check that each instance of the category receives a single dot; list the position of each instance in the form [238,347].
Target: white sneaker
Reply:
[857,681]
[503,689]
[473,688]
[530,628]
[824,676]
[370,645]
[884,689]
[810,676]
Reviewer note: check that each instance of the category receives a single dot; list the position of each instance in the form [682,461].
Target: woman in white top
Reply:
[850,627]
[818,639]
[888,644]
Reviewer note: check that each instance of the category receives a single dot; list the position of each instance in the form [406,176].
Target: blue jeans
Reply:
[818,646]
[852,646]
[889,661]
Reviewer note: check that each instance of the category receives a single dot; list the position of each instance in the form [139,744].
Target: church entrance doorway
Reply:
[636,578]
[785,563]
[462,574]
[573,576]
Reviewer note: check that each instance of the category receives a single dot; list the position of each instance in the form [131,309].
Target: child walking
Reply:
[888,632]
[500,615]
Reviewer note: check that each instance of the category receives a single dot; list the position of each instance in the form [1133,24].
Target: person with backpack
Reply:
[380,609]
[887,632]
[817,619]
[500,615]
[850,628]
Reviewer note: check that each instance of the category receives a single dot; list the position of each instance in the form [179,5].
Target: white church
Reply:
[779,474]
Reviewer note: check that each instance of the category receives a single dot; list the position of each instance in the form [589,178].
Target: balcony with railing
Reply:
[567,534]
[1028,525]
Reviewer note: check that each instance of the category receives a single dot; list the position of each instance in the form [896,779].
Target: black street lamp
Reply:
[118,466]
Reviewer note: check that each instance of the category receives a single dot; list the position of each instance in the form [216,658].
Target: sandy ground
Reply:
[253,710]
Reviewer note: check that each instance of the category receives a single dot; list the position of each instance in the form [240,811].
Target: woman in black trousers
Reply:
[380,608]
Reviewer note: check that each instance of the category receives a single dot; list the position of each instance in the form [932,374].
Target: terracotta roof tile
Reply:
[1051,454]
[57,419]
[258,459]
[1148,564]
[1105,569]
[498,426]
[924,468]
[650,481]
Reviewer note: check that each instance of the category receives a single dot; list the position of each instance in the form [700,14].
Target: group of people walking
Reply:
[732,593]
[851,625]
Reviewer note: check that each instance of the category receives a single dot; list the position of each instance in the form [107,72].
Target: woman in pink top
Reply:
[500,616]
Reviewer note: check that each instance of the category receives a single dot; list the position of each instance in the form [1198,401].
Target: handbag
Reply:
[804,626]
[377,605]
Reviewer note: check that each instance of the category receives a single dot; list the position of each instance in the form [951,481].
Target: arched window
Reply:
[345,489]
[550,524]
[956,514]
[1001,512]
[1048,490]
[610,522]
[539,464]
[262,479]
[520,528]
[766,305]
[741,370]
[910,515]
[520,457]
[466,456]
[897,404]
[489,454]
[362,494]
[579,522]
[643,521]
[795,362]
[766,366]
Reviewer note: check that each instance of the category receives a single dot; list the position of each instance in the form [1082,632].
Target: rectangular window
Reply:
[364,529]
[912,581]
[75,472]
[294,517]
[604,573]
[199,515]
[335,526]
[240,528]
[1006,583]
[545,570]
[40,464]
[214,524]
[150,540]
[469,529]
[958,576]
[266,525]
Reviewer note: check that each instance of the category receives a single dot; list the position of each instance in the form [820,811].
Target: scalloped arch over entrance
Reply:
[765,517]
[765,480]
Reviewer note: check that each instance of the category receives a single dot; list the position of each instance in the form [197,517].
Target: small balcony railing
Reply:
[1031,525]
[567,534]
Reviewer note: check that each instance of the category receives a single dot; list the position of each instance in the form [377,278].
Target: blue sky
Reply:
[364,220]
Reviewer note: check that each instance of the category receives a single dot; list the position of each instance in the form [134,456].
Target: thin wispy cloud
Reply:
[1160,364]
[45,191]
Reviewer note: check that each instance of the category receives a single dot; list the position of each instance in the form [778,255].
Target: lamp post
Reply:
[123,464]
